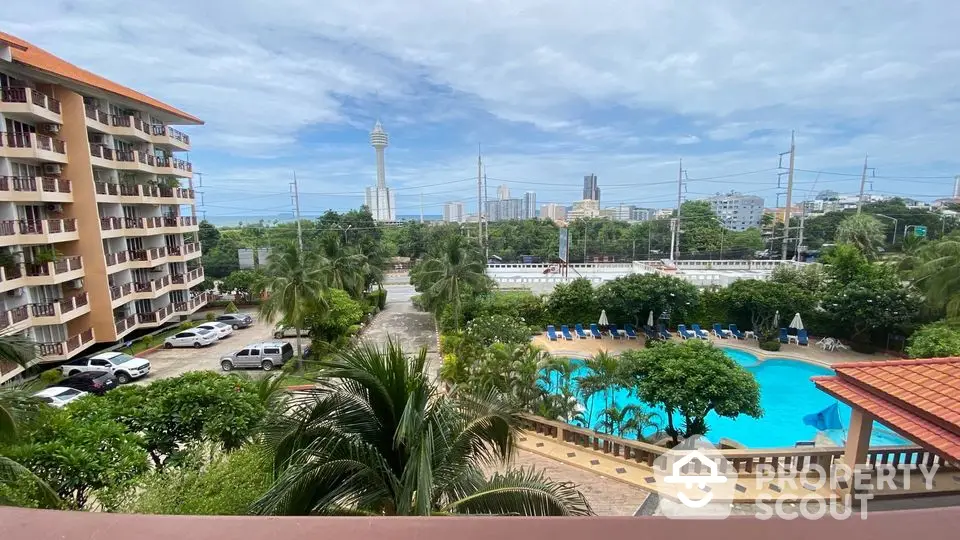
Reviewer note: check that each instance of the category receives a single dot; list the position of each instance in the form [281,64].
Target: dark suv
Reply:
[236,320]
[95,382]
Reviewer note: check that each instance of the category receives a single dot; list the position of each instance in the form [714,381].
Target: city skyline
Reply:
[725,98]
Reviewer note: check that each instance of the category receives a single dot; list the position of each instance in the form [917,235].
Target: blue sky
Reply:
[552,90]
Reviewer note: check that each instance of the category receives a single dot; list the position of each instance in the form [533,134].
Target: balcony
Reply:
[52,273]
[113,227]
[187,280]
[143,194]
[134,160]
[29,105]
[61,311]
[125,325]
[130,127]
[35,188]
[192,305]
[37,231]
[11,277]
[15,319]
[119,294]
[56,352]
[136,258]
[169,137]
[157,317]
[184,253]
[32,146]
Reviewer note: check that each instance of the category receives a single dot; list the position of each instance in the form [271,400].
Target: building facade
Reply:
[503,210]
[588,208]
[379,199]
[738,212]
[530,205]
[591,191]
[453,212]
[553,212]
[503,192]
[98,230]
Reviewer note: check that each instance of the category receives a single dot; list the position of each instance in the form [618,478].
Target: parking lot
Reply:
[166,363]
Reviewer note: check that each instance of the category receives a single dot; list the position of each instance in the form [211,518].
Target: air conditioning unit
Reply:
[76,283]
[56,208]
[51,128]
[15,292]
[51,168]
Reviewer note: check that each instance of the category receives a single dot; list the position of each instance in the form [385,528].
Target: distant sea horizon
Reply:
[235,221]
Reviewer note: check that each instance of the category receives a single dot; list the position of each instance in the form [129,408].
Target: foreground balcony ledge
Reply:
[29,104]
[27,524]
[32,146]
[35,188]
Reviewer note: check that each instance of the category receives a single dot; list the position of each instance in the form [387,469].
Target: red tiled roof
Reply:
[919,398]
[29,54]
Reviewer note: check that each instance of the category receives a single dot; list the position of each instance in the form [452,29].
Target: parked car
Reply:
[222,330]
[236,320]
[59,396]
[94,382]
[194,337]
[282,331]
[265,355]
[123,366]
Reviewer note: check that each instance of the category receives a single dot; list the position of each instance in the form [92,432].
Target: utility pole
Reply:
[675,222]
[863,184]
[421,207]
[786,211]
[296,208]
[479,198]
[486,226]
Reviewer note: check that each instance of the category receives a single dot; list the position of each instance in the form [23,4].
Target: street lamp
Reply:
[344,232]
[893,242]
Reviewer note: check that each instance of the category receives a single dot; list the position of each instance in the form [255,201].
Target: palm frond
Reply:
[12,472]
[524,492]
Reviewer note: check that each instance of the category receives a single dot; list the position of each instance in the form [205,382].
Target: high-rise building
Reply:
[504,209]
[553,212]
[503,192]
[591,191]
[529,205]
[379,199]
[738,212]
[99,233]
[587,208]
[453,212]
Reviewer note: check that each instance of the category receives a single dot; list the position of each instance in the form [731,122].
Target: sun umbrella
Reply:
[796,322]
[603,318]
[650,319]
[776,319]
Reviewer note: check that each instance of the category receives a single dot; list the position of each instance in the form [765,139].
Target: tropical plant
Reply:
[573,302]
[457,269]
[933,270]
[498,328]
[934,341]
[294,285]
[631,298]
[602,379]
[243,283]
[378,438]
[16,405]
[631,419]
[343,267]
[862,231]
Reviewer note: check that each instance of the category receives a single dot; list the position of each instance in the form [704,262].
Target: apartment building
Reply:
[453,212]
[738,212]
[98,232]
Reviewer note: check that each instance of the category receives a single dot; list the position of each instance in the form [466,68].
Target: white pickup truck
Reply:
[123,366]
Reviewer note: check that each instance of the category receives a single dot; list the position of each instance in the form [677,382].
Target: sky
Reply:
[548,90]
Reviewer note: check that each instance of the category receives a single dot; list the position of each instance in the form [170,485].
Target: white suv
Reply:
[123,366]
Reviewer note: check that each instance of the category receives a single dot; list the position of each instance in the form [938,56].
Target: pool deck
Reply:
[811,353]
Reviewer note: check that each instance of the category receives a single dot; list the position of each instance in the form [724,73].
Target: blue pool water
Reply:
[786,396]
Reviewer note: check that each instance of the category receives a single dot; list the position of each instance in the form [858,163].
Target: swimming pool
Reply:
[786,396]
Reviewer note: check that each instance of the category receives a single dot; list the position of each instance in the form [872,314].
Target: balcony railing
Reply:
[37,226]
[102,151]
[181,279]
[14,316]
[69,304]
[132,223]
[119,257]
[67,347]
[18,94]
[96,114]
[111,223]
[32,140]
[59,266]
[30,184]
[193,303]
[119,291]
[188,221]
[160,130]
[155,316]
[125,155]
[123,324]
[185,249]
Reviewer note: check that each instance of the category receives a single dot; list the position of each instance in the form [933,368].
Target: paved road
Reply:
[172,362]
[401,321]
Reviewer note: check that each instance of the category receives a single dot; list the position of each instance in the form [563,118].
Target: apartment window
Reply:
[23,169]
[14,126]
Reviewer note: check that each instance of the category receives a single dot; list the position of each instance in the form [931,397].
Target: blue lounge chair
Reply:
[595,332]
[720,332]
[614,332]
[684,333]
[700,333]
[565,330]
[784,338]
[802,338]
[580,333]
[664,333]
[630,330]
[736,332]
[551,332]
[650,332]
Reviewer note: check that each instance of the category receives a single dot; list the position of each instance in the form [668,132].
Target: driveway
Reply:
[401,322]
[166,363]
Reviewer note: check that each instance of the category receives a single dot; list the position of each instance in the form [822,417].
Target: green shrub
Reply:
[934,341]
[50,376]
[186,325]
[771,345]
[210,316]
[148,341]
[353,330]
[231,308]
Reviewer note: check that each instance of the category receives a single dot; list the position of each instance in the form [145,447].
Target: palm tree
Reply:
[343,267]
[629,419]
[377,437]
[458,268]
[863,231]
[13,405]
[294,285]
[932,268]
